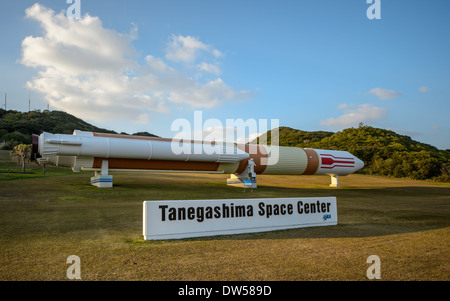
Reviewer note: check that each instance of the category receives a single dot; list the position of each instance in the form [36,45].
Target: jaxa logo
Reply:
[326,216]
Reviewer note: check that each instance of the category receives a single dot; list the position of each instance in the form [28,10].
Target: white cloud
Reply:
[354,115]
[187,49]
[385,94]
[76,46]
[210,68]
[93,72]
[423,89]
[207,95]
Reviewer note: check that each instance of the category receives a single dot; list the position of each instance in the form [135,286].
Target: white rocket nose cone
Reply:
[358,164]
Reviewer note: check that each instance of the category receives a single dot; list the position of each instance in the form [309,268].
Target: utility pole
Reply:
[5,101]
[29,101]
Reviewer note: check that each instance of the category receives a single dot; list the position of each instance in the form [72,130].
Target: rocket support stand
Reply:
[102,179]
[334,181]
[247,179]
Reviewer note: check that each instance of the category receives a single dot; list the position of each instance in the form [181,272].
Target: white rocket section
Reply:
[333,162]
[85,144]
[294,161]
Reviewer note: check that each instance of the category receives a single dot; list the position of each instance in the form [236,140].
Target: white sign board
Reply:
[194,218]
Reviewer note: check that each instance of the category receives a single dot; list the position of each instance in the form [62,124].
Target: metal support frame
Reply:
[101,178]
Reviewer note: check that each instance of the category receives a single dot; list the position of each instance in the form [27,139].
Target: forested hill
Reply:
[384,152]
[17,127]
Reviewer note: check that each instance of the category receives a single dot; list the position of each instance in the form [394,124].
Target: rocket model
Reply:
[103,153]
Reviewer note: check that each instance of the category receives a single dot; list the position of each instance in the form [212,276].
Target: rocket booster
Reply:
[90,151]
[84,150]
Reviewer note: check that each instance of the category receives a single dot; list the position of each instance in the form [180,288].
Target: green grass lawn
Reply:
[46,218]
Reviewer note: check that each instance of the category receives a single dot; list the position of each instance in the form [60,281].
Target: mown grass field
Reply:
[46,218]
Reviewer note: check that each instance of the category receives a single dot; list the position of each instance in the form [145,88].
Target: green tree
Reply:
[13,139]
[22,154]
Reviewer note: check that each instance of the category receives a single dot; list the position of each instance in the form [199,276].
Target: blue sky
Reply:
[313,65]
